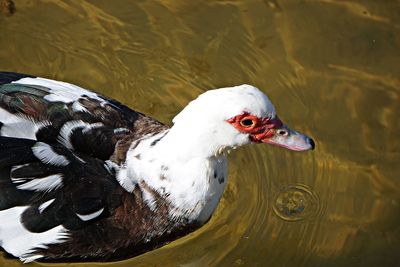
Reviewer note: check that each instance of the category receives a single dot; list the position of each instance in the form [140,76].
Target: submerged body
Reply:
[84,178]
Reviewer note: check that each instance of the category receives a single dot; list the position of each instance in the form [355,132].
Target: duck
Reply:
[85,178]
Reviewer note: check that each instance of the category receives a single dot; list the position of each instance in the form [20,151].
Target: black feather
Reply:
[15,151]
[7,77]
[95,142]
[87,184]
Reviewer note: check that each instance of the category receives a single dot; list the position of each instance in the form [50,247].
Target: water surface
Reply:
[332,68]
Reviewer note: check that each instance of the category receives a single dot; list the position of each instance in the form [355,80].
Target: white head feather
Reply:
[200,129]
[225,103]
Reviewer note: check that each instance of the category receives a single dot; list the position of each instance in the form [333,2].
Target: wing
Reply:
[58,112]
[46,191]
[60,147]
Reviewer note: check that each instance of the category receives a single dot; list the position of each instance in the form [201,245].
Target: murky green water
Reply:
[332,68]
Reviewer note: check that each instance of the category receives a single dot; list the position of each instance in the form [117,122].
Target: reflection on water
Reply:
[332,69]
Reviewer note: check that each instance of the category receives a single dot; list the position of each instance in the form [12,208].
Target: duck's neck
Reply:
[189,171]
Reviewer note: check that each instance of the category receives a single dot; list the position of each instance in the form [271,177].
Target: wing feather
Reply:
[57,141]
[59,112]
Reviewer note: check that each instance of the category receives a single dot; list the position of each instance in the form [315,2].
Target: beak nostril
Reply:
[311,142]
[282,132]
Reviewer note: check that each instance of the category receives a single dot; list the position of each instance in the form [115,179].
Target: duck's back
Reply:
[58,112]
[60,149]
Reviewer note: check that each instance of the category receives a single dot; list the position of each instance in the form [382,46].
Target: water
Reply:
[332,69]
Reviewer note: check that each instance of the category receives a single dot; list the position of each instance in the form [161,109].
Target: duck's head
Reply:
[234,116]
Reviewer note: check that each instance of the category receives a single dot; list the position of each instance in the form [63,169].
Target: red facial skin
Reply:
[259,130]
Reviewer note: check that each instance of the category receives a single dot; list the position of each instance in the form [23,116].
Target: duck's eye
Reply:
[247,123]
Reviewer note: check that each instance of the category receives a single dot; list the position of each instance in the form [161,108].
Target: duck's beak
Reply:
[278,134]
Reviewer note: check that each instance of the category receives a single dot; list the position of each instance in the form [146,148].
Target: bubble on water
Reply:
[296,202]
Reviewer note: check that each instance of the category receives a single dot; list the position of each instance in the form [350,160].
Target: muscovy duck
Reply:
[85,178]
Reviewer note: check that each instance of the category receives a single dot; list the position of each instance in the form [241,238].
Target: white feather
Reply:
[47,155]
[46,184]
[92,126]
[16,167]
[20,242]
[188,185]
[224,103]
[69,127]
[121,130]
[127,177]
[60,91]
[110,166]
[77,107]
[19,126]
[91,216]
[44,205]
[127,182]
[149,199]
[28,259]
